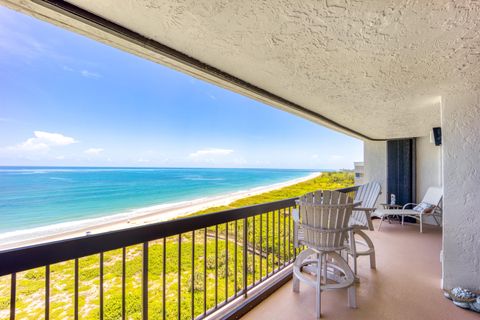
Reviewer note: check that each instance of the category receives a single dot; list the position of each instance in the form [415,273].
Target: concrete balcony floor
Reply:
[405,285]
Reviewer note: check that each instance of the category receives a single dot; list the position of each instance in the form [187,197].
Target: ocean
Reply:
[33,197]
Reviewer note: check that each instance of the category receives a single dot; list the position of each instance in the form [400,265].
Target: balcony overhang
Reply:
[373,70]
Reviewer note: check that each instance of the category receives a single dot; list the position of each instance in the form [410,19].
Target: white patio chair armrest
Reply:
[368,210]
[409,204]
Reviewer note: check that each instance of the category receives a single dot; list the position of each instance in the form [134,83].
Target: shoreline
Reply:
[133,218]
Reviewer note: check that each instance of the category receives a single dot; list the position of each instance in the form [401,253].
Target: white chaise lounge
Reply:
[429,205]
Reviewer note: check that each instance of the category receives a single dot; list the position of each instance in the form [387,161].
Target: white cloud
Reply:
[53,139]
[42,141]
[67,68]
[84,73]
[210,152]
[94,151]
[89,74]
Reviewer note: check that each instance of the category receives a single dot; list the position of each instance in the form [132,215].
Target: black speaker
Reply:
[437,136]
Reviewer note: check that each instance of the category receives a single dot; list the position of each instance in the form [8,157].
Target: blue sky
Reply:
[68,100]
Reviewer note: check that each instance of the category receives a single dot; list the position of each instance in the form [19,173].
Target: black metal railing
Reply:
[186,268]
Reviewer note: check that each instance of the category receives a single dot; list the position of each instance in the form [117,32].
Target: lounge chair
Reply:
[324,217]
[429,206]
[367,194]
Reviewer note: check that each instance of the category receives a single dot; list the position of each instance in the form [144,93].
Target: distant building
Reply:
[359,172]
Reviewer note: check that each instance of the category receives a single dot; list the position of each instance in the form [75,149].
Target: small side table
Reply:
[394,207]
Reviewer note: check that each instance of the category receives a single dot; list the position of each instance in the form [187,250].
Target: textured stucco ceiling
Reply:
[378,67]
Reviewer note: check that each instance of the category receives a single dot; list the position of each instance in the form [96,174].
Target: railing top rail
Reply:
[348,189]
[25,258]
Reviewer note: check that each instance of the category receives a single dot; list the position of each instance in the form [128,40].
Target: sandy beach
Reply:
[132,218]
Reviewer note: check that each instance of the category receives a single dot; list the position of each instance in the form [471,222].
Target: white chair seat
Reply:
[396,212]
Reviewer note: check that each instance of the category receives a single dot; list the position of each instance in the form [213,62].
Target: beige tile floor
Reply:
[405,285]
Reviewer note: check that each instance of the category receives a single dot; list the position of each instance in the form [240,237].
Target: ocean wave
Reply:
[203,179]
[61,179]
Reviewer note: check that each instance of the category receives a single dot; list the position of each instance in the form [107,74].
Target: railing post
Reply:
[245,256]
[145,281]
[13,295]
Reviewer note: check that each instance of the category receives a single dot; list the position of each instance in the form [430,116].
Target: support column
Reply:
[461,202]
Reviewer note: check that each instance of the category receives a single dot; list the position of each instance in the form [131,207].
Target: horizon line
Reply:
[172,167]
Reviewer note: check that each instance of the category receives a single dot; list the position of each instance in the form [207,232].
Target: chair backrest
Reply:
[324,217]
[433,196]
[368,195]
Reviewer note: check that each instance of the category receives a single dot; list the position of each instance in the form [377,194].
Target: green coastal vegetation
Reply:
[216,264]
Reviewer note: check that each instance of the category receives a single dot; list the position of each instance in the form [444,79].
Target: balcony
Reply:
[157,272]
[405,285]
[376,73]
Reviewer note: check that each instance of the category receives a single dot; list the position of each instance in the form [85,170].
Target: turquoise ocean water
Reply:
[32,197]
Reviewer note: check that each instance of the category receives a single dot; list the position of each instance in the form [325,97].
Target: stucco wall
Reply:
[429,168]
[461,167]
[375,158]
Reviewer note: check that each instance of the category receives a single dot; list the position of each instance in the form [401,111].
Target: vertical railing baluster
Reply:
[284,237]
[261,246]
[101,285]
[289,234]
[254,248]
[293,226]
[245,256]
[13,295]
[124,271]
[145,281]
[205,272]
[279,241]
[267,236]
[75,314]
[164,274]
[273,242]
[216,266]
[179,278]
[235,260]
[193,276]
[47,292]
[226,261]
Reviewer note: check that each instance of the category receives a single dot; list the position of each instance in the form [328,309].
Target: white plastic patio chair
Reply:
[367,194]
[324,217]
[429,205]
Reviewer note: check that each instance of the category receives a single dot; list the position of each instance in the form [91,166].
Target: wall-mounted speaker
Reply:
[437,136]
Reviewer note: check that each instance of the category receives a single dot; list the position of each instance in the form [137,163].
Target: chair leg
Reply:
[371,247]
[325,271]
[403,220]
[353,250]
[352,297]
[421,223]
[319,285]
[381,221]
[296,284]
[373,261]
